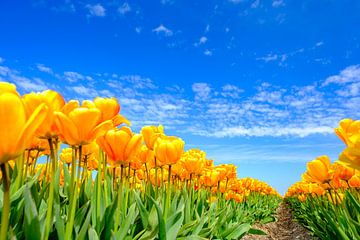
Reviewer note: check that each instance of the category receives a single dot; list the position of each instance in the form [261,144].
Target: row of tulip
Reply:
[327,199]
[111,182]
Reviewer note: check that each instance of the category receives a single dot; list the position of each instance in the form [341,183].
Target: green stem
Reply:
[98,192]
[168,194]
[6,201]
[119,197]
[49,217]
[73,201]
[104,170]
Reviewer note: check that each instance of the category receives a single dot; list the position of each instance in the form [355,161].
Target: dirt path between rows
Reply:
[285,228]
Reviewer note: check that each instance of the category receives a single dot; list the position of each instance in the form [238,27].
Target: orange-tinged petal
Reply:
[67,128]
[12,121]
[85,120]
[8,87]
[119,119]
[32,124]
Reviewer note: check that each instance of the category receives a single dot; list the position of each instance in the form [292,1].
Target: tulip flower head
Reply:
[151,134]
[168,149]
[17,129]
[120,145]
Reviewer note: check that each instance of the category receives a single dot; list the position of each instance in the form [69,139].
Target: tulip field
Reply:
[327,199]
[73,170]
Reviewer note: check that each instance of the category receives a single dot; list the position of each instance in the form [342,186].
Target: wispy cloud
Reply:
[201,41]
[125,8]
[278,3]
[202,91]
[43,68]
[161,29]
[73,76]
[2,60]
[208,52]
[348,75]
[96,10]
[215,111]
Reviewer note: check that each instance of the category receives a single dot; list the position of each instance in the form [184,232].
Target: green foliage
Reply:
[141,214]
[327,220]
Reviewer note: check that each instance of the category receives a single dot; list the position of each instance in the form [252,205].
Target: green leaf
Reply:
[161,221]
[92,234]
[256,231]
[126,224]
[239,231]
[85,226]
[32,221]
[173,224]
[144,214]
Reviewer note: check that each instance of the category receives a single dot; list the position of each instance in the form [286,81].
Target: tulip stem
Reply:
[49,216]
[6,201]
[73,200]
[98,192]
[168,193]
[119,198]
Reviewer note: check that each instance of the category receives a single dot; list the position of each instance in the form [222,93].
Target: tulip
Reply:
[168,149]
[151,134]
[17,129]
[319,170]
[110,108]
[81,125]
[54,101]
[120,145]
[193,161]
[66,155]
[349,131]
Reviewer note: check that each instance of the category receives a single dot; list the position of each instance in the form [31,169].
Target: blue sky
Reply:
[257,83]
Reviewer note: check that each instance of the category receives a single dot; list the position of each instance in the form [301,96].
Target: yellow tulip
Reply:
[349,131]
[350,157]
[110,108]
[193,161]
[120,144]
[168,150]
[81,125]
[16,128]
[151,134]
[319,170]
[54,101]
[66,155]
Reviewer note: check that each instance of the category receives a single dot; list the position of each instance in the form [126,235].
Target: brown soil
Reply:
[285,228]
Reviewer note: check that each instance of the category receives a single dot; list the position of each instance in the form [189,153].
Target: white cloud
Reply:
[348,75]
[161,29]
[231,91]
[318,44]
[138,30]
[82,91]
[43,68]
[240,131]
[4,70]
[268,58]
[201,41]
[73,76]
[138,81]
[236,1]
[96,10]
[207,28]
[255,4]
[125,8]
[202,91]
[278,3]
[208,52]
